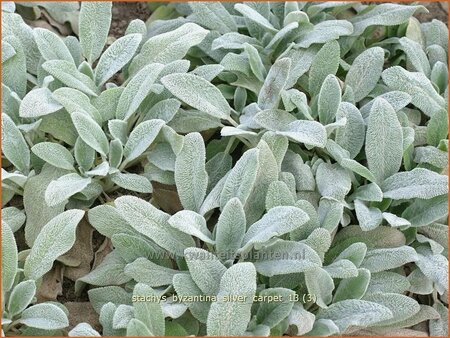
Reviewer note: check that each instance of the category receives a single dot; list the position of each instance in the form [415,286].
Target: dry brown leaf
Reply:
[102,252]
[51,286]
[82,252]
[166,197]
[80,312]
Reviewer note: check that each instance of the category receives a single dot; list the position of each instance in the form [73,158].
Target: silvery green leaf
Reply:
[384,15]
[83,329]
[423,95]
[45,316]
[415,55]
[353,312]
[208,98]
[137,328]
[9,257]
[90,132]
[155,322]
[116,57]
[230,229]
[325,62]
[205,268]
[256,64]
[51,45]
[173,309]
[133,182]
[300,318]
[212,15]
[357,168]
[255,17]
[333,181]
[377,260]
[278,221]
[106,102]
[145,271]
[353,287]
[439,76]
[351,136]
[84,154]
[419,283]
[301,62]
[272,313]
[14,69]
[55,239]
[273,119]
[326,31]
[21,296]
[67,73]
[239,183]
[233,40]
[387,281]
[286,257]
[319,240]
[115,153]
[281,34]
[106,318]
[365,72]
[8,6]
[151,222]
[137,90]
[321,285]
[230,318]
[323,327]
[369,218]
[75,101]
[188,121]
[341,268]
[169,46]
[107,221]
[60,190]
[164,110]
[439,327]
[14,146]
[190,174]
[330,212]
[437,127]
[14,217]
[308,228]
[434,267]
[401,306]
[278,194]
[55,154]
[38,102]
[132,246]
[192,224]
[370,192]
[141,138]
[109,272]
[185,287]
[208,72]
[436,53]
[417,183]
[310,133]
[217,167]
[384,143]
[425,212]
[329,99]
[395,221]
[94,22]
[232,131]
[435,33]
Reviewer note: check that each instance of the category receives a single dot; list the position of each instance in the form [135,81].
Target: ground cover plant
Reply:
[224,169]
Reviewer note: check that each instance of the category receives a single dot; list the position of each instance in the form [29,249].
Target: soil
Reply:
[123,13]
[437,10]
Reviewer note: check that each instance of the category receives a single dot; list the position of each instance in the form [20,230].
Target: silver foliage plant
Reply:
[307,143]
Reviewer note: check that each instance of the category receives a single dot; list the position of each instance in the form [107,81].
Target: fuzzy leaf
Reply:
[230,318]
[94,22]
[190,173]
[55,239]
[45,316]
[207,98]
[384,144]
[14,146]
